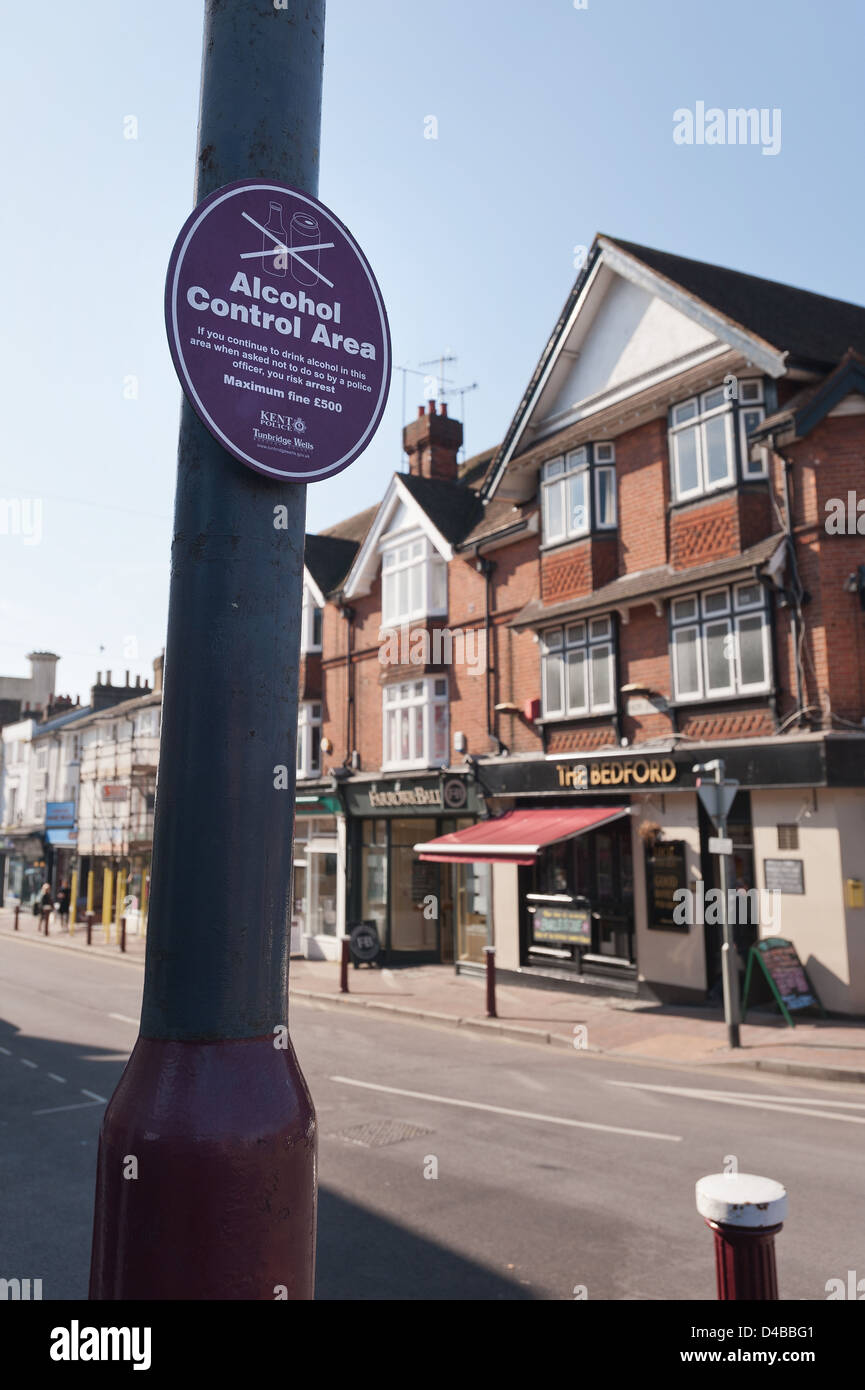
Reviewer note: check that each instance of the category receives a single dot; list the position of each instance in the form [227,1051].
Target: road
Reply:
[556,1171]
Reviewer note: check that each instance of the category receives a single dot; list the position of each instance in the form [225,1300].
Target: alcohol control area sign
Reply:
[278,330]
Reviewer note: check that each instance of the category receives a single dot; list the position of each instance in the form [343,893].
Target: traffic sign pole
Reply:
[219,1202]
[717,797]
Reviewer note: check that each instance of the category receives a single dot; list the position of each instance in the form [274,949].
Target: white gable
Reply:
[399,511]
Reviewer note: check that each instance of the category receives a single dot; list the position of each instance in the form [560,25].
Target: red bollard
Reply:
[89,918]
[17,910]
[123,933]
[46,914]
[745,1213]
[490,952]
[344,958]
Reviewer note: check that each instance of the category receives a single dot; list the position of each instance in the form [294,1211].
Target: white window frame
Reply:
[421,556]
[557,477]
[308,719]
[586,636]
[426,695]
[755,406]
[735,609]
[310,607]
[703,415]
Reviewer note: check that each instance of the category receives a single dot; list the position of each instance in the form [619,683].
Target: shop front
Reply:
[25,867]
[319,874]
[627,902]
[421,913]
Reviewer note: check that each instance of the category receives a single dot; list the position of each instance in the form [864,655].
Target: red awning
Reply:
[517,836]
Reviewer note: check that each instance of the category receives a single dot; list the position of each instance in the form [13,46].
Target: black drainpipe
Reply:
[348,614]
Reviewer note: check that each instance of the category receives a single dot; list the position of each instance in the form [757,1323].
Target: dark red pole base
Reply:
[745,1262]
[345,955]
[491,981]
[223,1205]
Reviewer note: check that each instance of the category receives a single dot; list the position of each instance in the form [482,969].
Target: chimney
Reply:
[432,442]
[158,665]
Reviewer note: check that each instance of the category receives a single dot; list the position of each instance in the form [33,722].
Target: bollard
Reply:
[745,1212]
[123,933]
[46,914]
[88,917]
[17,910]
[490,952]
[344,958]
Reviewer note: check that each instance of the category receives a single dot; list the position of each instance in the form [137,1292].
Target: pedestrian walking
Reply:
[64,898]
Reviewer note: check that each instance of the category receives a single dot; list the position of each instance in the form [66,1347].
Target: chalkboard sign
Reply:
[569,925]
[364,945]
[665,875]
[784,875]
[785,973]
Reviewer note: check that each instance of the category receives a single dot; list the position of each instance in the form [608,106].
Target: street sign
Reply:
[718,799]
[720,845]
[278,330]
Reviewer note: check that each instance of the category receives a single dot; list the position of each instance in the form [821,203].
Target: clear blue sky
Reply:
[553,123]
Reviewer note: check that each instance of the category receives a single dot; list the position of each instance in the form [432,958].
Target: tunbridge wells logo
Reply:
[76,1343]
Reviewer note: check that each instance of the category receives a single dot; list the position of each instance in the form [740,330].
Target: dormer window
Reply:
[578,493]
[413,579]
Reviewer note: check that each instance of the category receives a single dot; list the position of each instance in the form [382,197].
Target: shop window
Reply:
[720,643]
[578,669]
[578,493]
[414,579]
[308,739]
[415,723]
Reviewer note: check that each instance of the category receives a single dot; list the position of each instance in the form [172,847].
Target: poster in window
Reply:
[665,876]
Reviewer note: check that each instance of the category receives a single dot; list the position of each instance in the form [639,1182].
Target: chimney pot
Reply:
[127,678]
[444,409]
[107,677]
[432,408]
[421,412]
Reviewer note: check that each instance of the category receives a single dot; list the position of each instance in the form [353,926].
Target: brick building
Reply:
[521,658]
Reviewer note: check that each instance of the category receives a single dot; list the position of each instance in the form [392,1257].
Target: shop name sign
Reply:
[617,772]
[278,330]
[410,796]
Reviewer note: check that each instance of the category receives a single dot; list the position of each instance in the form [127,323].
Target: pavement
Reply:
[692,1036]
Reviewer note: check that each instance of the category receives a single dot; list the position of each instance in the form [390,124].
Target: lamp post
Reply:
[219,1202]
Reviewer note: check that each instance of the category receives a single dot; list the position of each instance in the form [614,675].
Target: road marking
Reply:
[124,1018]
[54,1077]
[55,1110]
[94,1096]
[739,1098]
[503,1110]
[25,1062]
[6,1052]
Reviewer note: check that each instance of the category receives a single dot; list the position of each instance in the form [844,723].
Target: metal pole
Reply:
[17,910]
[89,918]
[490,952]
[729,971]
[212,1101]
[123,933]
[345,952]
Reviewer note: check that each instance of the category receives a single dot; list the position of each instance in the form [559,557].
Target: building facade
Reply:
[524,657]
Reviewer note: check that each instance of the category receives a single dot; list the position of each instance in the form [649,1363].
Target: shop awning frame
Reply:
[518,836]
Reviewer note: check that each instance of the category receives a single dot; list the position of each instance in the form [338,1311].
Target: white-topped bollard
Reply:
[745,1212]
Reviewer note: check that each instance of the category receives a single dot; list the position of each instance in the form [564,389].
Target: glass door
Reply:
[473,910]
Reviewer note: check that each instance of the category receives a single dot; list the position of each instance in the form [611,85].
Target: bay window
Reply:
[720,643]
[578,493]
[578,669]
[703,439]
[413,581]
[415,723]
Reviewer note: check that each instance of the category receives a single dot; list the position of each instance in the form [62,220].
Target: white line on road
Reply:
[738,1098]
[94,1096]
[5,1051]
[503,1110]
[54,1077]
[124,1018]
[25,1062]
[55,1110]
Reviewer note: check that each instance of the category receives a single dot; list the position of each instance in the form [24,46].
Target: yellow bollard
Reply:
[73,899]
[107,902]
[89,890]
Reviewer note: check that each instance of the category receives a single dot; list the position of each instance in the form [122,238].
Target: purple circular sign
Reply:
[278,330]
